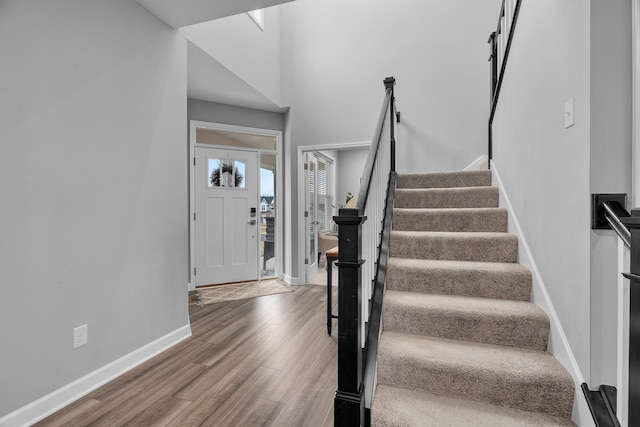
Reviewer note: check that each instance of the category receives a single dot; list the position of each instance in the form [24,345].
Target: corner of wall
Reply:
[58,399]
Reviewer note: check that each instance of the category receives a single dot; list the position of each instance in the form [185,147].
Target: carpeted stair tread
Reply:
[492,321]
[465,278]
[450,219]
[464,246]
[518,378]
[461,343]
[394,406]
[445,179]
[462,197]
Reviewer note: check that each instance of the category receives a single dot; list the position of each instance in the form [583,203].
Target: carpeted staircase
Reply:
[461,344]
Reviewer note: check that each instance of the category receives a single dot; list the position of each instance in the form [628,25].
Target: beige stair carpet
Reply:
[461,342]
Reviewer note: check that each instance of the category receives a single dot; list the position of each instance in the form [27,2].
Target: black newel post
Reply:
[633,224]
[349,401]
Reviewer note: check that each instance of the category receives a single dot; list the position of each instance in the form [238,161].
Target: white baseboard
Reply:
[481,163]
[56,400]
[558,343]
[291,280]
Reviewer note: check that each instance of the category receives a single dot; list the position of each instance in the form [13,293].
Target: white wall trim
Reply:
[291,280]
[635,103]
[481,163]
[336,147]
[558,343]
[58,399]
[622,348]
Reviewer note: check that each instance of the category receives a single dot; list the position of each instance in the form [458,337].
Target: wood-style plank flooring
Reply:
[266,361]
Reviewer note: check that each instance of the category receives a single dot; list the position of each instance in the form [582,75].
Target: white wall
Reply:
[336,54]
[93,177]
[247,51]
[545,167]
[350,166]
[564,50]
[610,167]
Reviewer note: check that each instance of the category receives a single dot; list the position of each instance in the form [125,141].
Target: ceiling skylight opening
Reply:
[258,17]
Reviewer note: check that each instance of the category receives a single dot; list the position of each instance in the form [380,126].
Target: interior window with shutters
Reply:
[312,214]
[324,196]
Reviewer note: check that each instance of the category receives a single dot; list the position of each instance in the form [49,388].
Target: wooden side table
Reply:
[332,255]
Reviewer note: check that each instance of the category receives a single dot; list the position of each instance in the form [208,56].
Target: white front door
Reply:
[226,216]
[311,256]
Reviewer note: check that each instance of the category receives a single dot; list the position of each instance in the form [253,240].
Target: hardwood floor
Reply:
[266,361]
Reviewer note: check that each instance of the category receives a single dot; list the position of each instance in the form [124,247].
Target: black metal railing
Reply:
[363,247]
[608,211]
[500,46]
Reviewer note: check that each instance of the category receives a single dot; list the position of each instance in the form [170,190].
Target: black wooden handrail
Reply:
[607,209]
[357,357]
[614,212]
[497,76]
[363,194]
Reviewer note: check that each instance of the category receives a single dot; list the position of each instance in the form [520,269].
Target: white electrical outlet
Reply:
[80,336]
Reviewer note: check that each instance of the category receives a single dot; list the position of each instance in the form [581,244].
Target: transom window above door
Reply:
[241,140]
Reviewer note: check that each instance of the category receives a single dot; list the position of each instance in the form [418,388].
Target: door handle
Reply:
[252,222]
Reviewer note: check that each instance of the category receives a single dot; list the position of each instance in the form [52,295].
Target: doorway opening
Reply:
[327,176]
[235,221]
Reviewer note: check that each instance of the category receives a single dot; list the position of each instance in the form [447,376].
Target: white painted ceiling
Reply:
[207,79]
[180,13]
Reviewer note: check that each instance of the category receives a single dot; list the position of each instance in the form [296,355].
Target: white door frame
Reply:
[279,187]
[311,267]
[301,192]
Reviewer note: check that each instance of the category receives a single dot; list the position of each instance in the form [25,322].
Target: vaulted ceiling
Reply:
[180,13]
[208,79]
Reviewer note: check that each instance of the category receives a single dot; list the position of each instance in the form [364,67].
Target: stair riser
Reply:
[498,248]
[474,220]
[472,283]
[445,180]
[480,197]
[396,406]
[538,394]
[510,329]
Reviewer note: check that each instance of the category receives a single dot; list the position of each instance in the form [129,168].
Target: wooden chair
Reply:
[325,242]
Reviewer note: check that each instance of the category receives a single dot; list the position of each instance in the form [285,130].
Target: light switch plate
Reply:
[569,113]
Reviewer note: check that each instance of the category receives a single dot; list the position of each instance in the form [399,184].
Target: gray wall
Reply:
[233,115]
[565,50]
[336,54]
[93,181]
